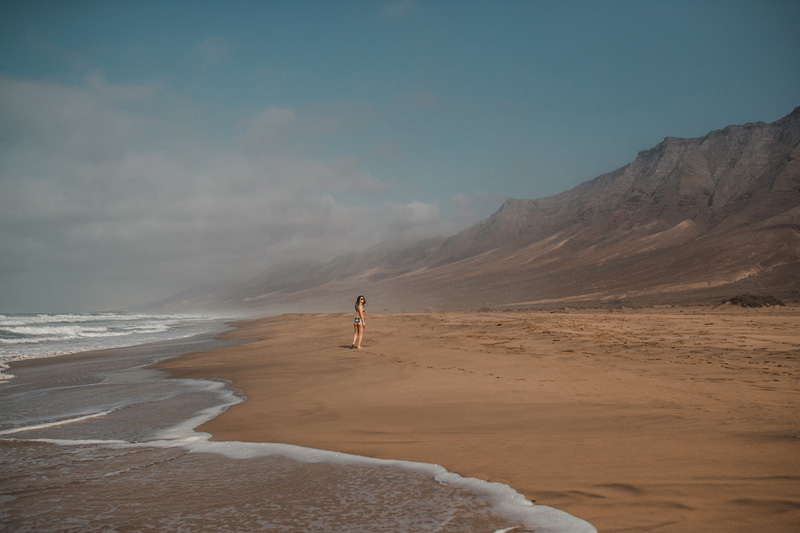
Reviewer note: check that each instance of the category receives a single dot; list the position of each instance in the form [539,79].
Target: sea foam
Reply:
[29,336]
[506,501]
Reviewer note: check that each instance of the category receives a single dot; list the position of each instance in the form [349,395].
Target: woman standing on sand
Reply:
[358,324]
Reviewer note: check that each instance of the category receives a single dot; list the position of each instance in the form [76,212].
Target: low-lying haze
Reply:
[148,146]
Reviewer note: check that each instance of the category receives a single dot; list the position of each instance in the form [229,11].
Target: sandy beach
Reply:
[661,419]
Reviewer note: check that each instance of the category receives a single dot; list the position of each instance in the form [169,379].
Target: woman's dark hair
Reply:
[358,300]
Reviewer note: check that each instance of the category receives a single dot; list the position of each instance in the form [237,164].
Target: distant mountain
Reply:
[690,220]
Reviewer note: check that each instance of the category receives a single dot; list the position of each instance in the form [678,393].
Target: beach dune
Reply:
[661,419]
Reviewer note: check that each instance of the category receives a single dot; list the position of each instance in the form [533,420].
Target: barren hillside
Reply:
[690,220]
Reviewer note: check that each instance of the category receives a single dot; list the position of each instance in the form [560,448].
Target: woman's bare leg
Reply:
[355,335]
[360,334]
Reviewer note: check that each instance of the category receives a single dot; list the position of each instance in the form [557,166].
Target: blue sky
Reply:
[146,146]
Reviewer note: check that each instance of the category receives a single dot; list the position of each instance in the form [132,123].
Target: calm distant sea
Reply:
[28,335]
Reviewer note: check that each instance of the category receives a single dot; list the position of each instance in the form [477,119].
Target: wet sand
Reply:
[664,419]
[119,454]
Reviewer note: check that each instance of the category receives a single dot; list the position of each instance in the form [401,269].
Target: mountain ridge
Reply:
[687,220]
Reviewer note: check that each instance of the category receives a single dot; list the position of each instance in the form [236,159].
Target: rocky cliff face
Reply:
[735,176]
[688,220]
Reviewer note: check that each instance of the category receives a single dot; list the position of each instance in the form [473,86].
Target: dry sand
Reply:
[665,419]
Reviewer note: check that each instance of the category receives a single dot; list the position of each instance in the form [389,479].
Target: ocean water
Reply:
[30,335]
[102,443]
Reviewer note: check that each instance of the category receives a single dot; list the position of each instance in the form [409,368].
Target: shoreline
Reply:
[213,329]
[34,351]
[485,507]
[672,418]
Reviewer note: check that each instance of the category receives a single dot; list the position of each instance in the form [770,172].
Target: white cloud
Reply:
[337,116]
[211,51]
[466,210]
[399,9]
[388,152]
[96,82]
[94,203]
[420,100]
[266,129]
[78,123]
